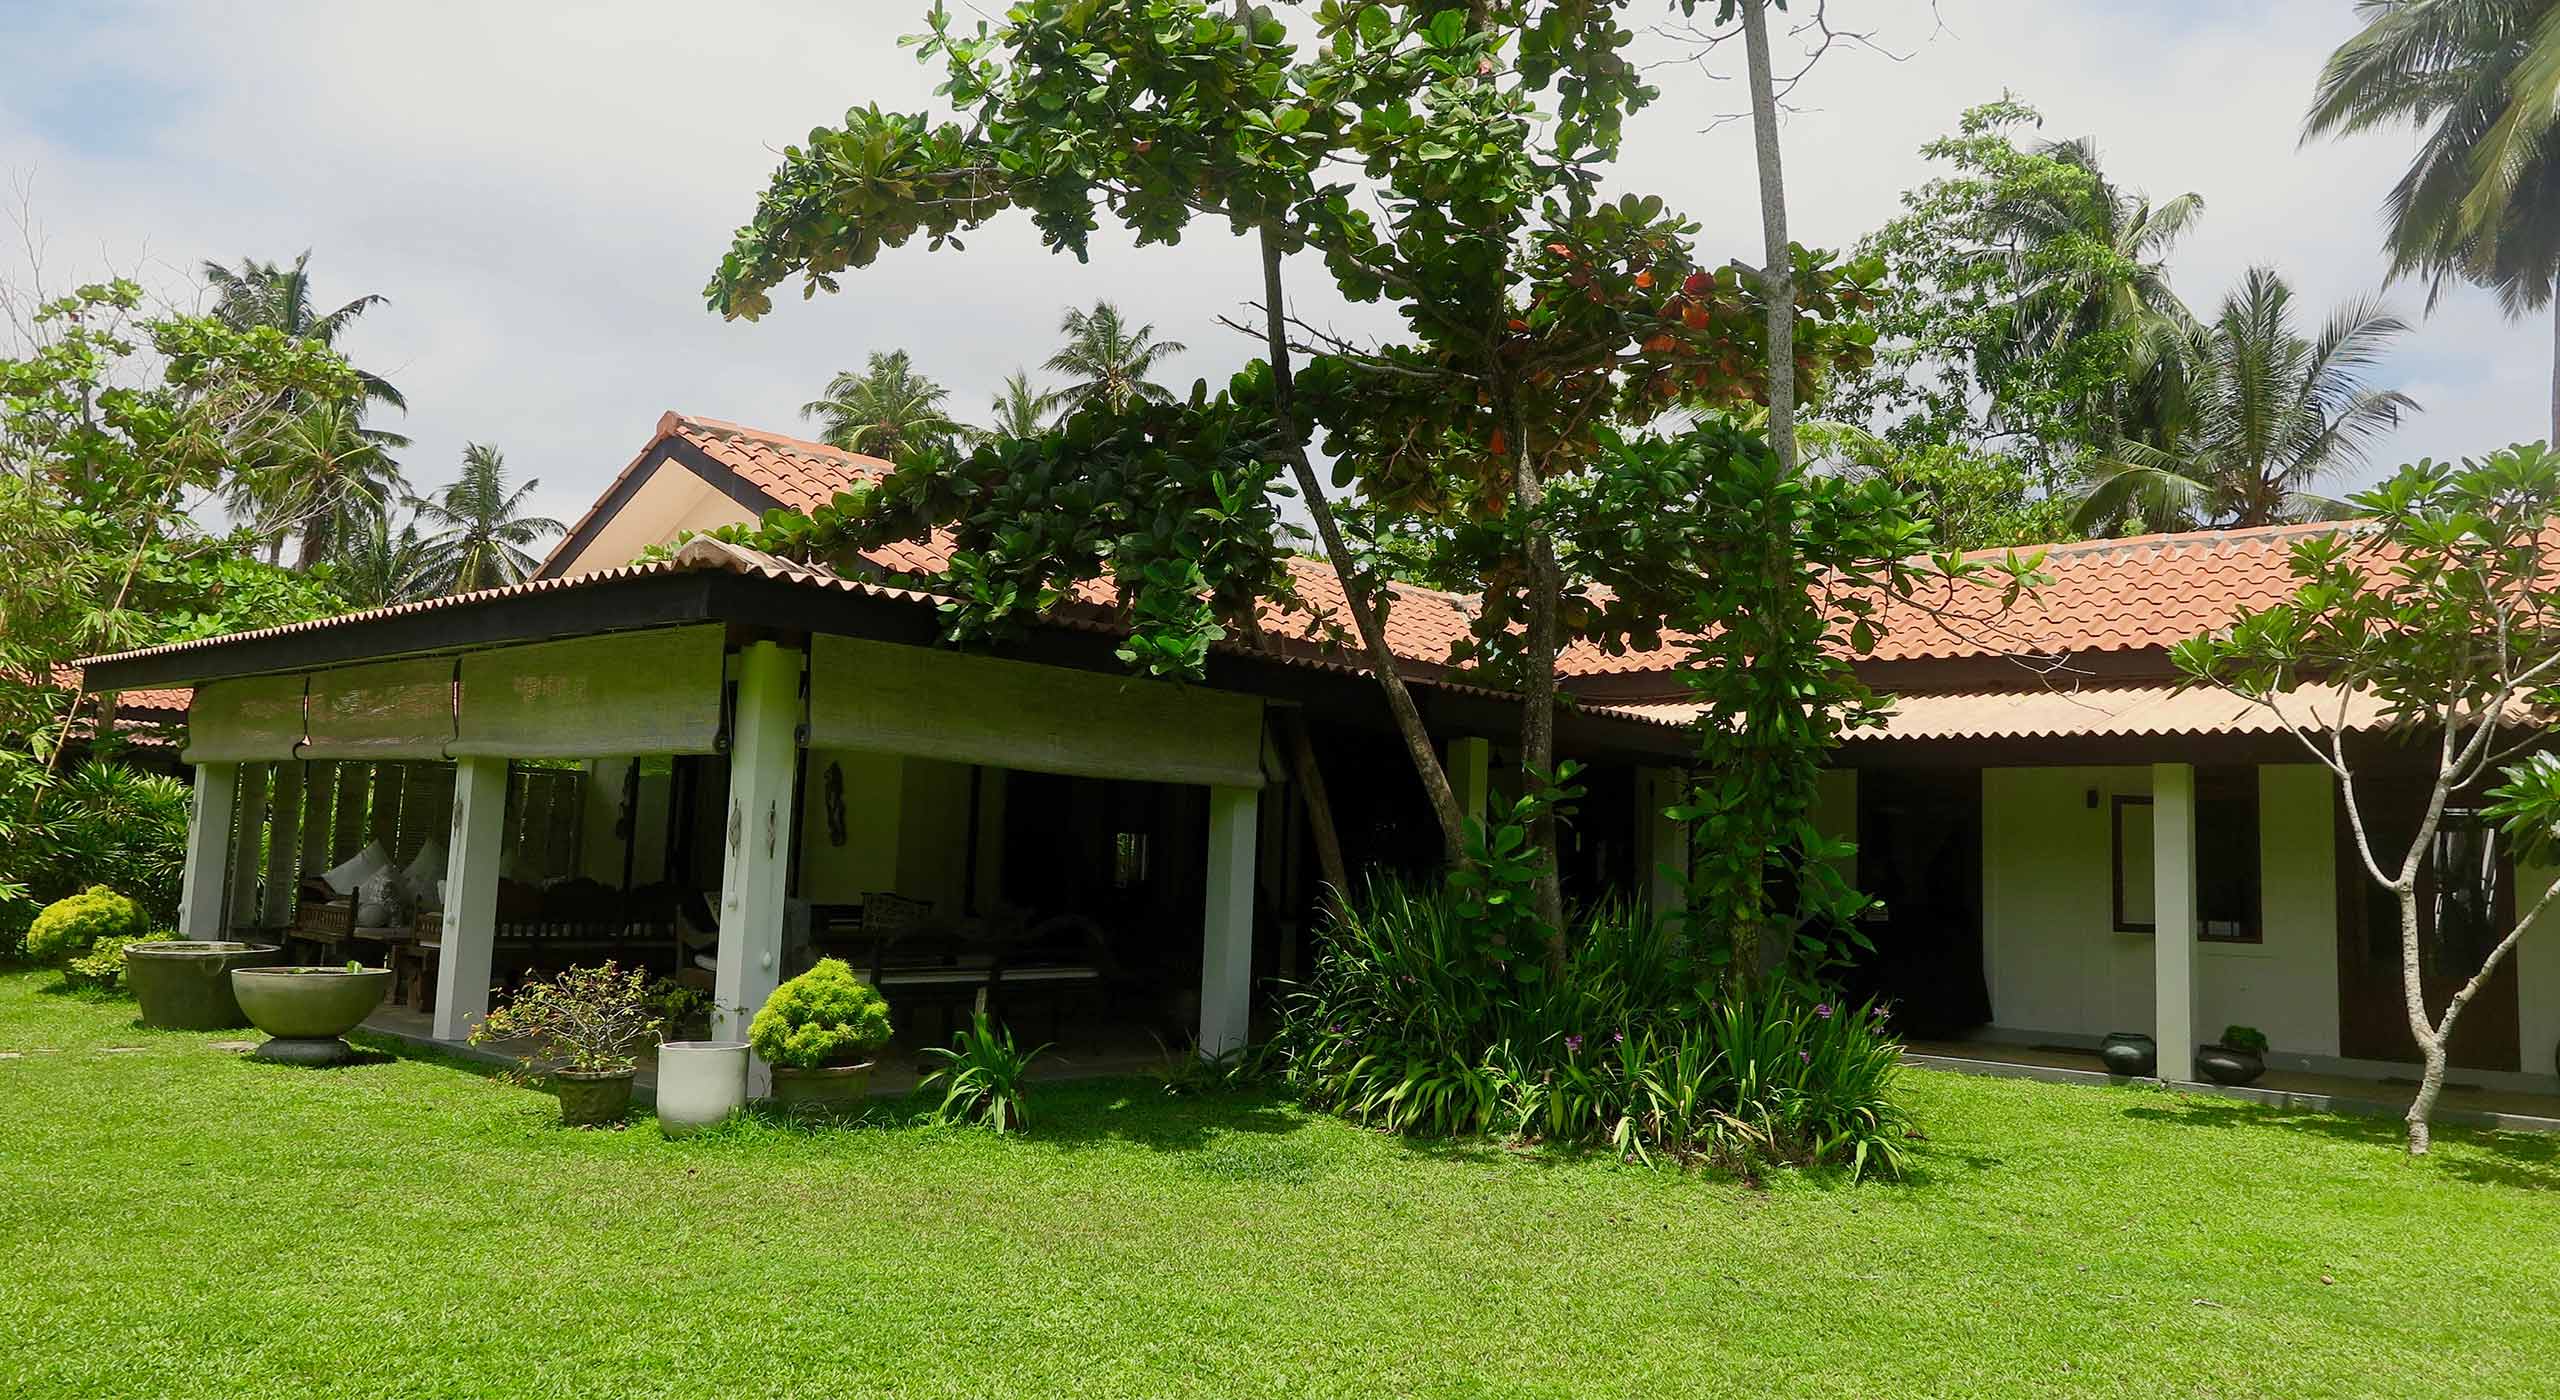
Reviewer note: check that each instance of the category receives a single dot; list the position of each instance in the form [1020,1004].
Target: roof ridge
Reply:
[721,427]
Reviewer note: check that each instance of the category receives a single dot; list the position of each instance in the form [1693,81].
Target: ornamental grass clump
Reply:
[981,1078]
[71,927]
[1414,1022]
[824,1018]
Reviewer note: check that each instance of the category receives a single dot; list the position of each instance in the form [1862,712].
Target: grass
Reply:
[179,1220]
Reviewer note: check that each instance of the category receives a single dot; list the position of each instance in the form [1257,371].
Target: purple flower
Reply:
[1618,1038]
[1822,1009]
[1573,1045]
[1805,1055]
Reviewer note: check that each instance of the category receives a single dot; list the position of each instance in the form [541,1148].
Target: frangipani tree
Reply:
[2446,609]
[1537,315]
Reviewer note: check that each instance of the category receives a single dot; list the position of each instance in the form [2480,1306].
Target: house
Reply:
[2062,842]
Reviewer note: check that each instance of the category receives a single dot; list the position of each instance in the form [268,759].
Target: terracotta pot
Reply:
[833,1087]
[187,986]
[591,1098]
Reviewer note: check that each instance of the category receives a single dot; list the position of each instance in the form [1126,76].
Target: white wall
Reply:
[2054,963]
[2537,958]
[874,809]
[2286,986]
[671,501]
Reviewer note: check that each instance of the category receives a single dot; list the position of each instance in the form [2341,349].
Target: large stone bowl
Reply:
[187,986]
[309,1010]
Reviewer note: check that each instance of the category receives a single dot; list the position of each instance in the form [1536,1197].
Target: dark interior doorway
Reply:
[2466,903]
[1920,856]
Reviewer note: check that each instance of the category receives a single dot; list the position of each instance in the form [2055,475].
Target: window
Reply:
[2226,856]
[1128,860]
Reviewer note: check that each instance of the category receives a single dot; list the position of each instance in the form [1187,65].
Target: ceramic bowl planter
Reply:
[187,986]
[2225,1065]
[593,1098]
[833,1089]
[2131,1055]
[308,1010]
[700,1082]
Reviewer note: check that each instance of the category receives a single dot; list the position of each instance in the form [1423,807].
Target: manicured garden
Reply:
[179,1219]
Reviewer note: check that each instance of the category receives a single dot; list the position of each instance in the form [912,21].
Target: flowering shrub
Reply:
[825,1016]
[1634,1046]
[70,927]
[588,1019]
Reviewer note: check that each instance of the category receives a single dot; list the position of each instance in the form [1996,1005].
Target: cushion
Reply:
[382,900]
[423,877]
[344,879]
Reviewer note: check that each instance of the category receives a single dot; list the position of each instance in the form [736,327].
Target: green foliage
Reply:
[677,1006]
[101,969]
[71,926]
[1631,1048]
[100,823]
[588,1019]
[980,1076]
[2026,292]
[887,410]
[2248,1039]
[1970,497]
[824,1017]
[483,536]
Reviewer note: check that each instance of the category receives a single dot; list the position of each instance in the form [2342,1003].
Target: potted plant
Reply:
[308,1010]
[818,1032]
[2238,1058]
[587,1027]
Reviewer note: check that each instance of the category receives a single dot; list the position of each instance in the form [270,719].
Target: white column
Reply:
[2173,911]
[284,846]
[756,860]
[1470,763]
[1664,841]
[200,900]
[471,862]
[251,807]
[1226,935]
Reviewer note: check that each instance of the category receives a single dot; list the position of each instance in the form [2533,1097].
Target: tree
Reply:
[2441,609]
[2030,302]
[2480,200]
[378,566]
[484,538]
[1019,411]
[1106,361]
[1538,316]
[321,475]
[886,410]
[2256,416]
[265,294]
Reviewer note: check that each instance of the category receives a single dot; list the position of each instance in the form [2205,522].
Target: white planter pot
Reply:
[700,1082]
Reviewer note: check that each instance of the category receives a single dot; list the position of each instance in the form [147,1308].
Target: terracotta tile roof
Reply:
[2085,712]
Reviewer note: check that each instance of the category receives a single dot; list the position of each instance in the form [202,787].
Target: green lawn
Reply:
[178,1220]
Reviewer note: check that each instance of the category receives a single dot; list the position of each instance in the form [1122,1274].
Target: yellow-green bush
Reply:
[70,927]
[102,967]
[825,1016]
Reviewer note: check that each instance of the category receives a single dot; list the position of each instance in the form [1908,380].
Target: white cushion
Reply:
[344,879]
[382,900]
[424,877]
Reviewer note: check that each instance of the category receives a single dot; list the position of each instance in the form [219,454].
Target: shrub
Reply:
[102,823]
[1412,1022]
[2247,1039]
[981,1078]
[589,1019]
[101,969]
[70,927]
[825,1016]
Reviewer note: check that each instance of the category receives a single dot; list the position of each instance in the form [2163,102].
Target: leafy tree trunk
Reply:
[2431,1047]
[1538,689]
[1382,659]
[1750,903]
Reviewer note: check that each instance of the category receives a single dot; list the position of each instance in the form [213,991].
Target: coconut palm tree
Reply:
[2047,234]
[265,294]
[483,537]
[2255,416]
[378,566]
[1106,361]
[885,410]
[2480,200]
[1019,411]
[322,474]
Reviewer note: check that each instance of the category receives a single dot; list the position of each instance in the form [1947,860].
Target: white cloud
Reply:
[541,192]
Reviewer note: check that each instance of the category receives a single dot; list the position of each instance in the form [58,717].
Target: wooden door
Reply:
[2466,902]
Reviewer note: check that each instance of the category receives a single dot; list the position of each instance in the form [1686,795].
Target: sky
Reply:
[541,191]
